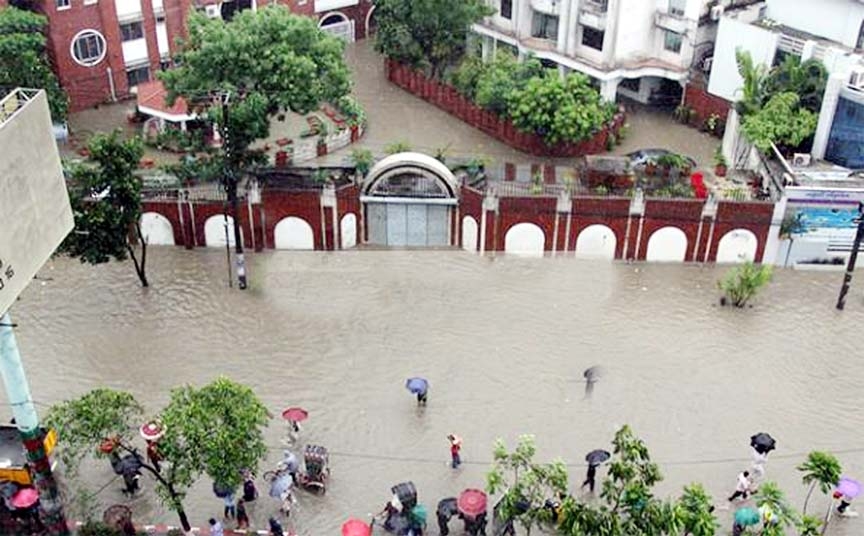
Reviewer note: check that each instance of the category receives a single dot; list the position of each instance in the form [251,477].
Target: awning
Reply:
[151,101]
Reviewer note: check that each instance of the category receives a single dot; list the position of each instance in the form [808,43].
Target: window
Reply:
[672,42]
[88,48]
[507,9]
[631,84]
[860,42]
[136,76]
[131,30]
[592,38]
[677,7]
[544,26]
[63,4]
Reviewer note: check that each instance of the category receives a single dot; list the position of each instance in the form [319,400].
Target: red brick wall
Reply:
[471,204]
[348,202]
[279,204]
[704,104]
[681,213]
[753,216]
[356,13]
[611,212]
[448,99]
[537,210]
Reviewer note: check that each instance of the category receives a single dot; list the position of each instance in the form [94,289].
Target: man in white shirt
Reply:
[216,528]
[742,488]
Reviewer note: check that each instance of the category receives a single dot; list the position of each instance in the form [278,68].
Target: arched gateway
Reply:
[408,201]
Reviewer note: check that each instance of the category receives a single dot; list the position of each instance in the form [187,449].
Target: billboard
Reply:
[35,215]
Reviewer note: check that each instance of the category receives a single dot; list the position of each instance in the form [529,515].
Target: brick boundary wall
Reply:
[445,97]
[705,104]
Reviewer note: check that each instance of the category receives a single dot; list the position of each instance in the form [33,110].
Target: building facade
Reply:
[640,49]
[102,49]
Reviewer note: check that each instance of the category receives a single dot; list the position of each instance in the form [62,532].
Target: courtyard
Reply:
[503,341]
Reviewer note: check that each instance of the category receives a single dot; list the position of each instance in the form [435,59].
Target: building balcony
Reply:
[134,51]
[549,7]
[595,6]
[672,22]
[593,19]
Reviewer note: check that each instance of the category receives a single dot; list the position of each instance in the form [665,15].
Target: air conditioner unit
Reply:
[213,11]
[800,160]
[856,78]
[716,12]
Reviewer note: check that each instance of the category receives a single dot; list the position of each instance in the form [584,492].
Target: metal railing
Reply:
[14,101]
[597,6]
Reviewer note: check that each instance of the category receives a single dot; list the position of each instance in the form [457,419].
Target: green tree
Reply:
[526,484]
[559,110]
[427,34]
[742,282]
[781,121]
[820,469]
[362,160]
[503,77]
[809,526]
[106,201]
[23,58]
[697,512]
[216,430]
[266,61]
[806,79]
[753,83]
[772,503]
[789,228]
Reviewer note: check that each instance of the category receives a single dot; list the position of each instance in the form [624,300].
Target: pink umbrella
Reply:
[295,414]
[356,527]
[25,498]
[471,503]
[849,487]
[152,431]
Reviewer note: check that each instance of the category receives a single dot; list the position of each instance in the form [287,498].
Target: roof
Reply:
[151,101]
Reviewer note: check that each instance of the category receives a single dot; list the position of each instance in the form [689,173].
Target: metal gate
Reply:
[342,30]
[408,224]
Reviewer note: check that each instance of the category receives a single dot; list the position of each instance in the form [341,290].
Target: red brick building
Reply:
[102,49]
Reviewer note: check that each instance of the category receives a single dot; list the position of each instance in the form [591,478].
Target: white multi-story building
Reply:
[641,49]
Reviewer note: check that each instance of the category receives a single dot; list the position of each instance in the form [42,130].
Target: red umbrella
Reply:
[295,414]
[25,498]
[152,431]
[472,503]
[356,527]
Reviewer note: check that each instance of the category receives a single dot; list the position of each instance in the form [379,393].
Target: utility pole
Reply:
[18,391]
[231,190]
[853,257]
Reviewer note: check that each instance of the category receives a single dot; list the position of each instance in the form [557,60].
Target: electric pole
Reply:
[853,257]
[27,421]
[230,179]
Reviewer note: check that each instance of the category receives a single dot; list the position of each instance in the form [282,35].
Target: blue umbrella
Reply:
[417,386]
[280,485]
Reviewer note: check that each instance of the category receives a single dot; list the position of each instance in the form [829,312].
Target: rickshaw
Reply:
[317,462]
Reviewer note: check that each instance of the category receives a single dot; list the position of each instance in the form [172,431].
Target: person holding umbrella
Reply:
[276,528]
[847,489]
[293,417]
[594,459]
[419,387]
[744,517]
[455,448]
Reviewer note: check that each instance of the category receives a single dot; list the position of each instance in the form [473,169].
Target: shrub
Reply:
[743,282]
[97,528]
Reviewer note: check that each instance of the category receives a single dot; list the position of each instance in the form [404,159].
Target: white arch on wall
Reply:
[214,232]
[596,241]
[348,228]
[157,229]
[369,19]
[736,246]
[329,14]
[667,244]
[469,233]
[525,239]
[293,233]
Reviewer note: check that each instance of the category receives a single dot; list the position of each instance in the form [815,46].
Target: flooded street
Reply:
[503,342]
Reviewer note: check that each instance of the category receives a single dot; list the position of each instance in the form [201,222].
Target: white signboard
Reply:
[35,215]
[823,196]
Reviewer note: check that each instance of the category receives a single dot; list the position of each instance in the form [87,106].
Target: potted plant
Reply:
[650,167]
[720,162]
[667,162]
[321,148]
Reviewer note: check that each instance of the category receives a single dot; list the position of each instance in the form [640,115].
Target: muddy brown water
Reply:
[503,342]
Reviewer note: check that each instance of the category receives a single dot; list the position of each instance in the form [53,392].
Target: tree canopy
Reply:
[267,60]
[215,430]
[781,121]
[106,202]
[559,110]
[23,58]
[427,34]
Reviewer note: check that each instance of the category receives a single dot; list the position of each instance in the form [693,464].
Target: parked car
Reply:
[642,156]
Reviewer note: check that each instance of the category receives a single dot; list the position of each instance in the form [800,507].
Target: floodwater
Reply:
[503,341]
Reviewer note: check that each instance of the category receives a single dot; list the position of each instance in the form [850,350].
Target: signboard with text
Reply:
[35,215]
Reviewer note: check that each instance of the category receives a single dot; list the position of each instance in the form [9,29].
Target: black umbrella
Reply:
[448,507]
[222,491]
[596,457]
[763,443]
[127,464]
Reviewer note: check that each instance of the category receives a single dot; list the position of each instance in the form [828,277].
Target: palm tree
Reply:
[753,88]
[697,513]
[806,79]
[770,498]
[791,226]
[809,526]
[820,469]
